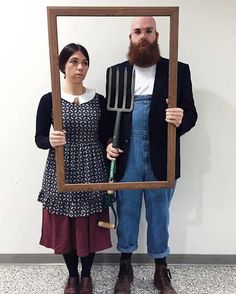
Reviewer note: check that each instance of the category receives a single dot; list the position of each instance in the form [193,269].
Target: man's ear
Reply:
[130,36]
[157,35]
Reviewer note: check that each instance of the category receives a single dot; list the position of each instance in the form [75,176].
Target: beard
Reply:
[144,54]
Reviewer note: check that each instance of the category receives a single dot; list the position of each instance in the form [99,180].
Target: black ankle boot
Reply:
[162,278]
[125,277]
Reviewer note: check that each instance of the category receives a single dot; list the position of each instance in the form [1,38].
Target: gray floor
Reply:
[187,279]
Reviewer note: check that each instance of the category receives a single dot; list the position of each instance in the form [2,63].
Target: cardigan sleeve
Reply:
[44,122]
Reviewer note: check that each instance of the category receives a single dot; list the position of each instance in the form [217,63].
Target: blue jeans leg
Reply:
[157,204]
[129,205]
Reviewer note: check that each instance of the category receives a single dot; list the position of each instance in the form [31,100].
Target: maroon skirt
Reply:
[63,233]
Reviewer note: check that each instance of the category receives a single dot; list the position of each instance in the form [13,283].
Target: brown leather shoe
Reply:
[72,286]
[162,278]
[86,286]
[125,278]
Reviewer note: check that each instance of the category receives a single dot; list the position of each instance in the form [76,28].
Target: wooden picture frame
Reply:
[53,13]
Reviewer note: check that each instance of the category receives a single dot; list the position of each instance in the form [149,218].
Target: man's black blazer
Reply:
[157,123]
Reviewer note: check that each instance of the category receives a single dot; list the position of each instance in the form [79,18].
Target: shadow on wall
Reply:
[199,149]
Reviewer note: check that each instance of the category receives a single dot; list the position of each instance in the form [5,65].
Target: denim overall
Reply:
[129,203]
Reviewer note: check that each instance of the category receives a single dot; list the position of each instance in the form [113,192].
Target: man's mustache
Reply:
[143,43]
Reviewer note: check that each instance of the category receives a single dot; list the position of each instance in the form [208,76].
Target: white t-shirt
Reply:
[144,79]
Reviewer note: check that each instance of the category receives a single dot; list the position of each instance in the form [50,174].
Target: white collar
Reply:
[86,97]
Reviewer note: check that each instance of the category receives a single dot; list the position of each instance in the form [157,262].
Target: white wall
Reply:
[203,208]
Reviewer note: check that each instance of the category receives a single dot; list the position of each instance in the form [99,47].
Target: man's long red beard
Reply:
[144,54]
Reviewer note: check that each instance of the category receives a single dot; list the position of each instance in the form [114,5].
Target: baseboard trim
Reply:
[113,258]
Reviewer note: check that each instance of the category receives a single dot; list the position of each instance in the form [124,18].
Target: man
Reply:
[142,153]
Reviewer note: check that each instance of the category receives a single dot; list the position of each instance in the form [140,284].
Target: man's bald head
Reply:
[143,22]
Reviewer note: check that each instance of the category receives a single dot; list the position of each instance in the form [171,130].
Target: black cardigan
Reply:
[157,123]
[44,121]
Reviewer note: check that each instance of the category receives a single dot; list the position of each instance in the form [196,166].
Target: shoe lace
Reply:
[165,277]
[168,274]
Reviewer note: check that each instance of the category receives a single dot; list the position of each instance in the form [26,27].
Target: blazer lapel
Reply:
[161,77]
[160,89]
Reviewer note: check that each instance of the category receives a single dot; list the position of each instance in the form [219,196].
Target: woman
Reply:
[69,223]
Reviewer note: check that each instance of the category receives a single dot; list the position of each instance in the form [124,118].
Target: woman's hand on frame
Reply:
[57,138]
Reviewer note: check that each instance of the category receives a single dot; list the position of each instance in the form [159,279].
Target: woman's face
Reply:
[76,68]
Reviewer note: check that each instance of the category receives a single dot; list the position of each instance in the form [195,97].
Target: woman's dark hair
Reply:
[66,53]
